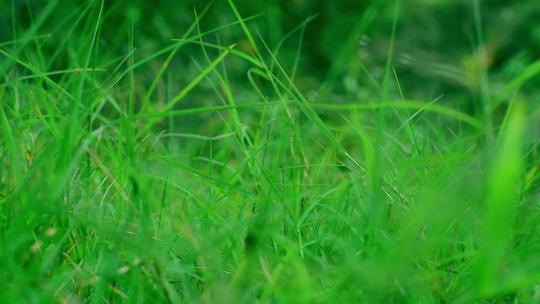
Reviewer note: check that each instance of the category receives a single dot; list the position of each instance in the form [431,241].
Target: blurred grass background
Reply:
[436,38]
[356,174]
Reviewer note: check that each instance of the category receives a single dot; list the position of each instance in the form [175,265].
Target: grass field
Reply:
[282,152]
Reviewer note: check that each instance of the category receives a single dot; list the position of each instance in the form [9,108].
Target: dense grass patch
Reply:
[302,152]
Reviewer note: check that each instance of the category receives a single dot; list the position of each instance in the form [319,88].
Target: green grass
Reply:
[221,166]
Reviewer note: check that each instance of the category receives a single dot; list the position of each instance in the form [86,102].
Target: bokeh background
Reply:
[436,40]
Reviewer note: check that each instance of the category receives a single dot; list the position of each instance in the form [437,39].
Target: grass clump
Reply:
[242,160]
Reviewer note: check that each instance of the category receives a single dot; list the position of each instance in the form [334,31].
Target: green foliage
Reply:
[269,151]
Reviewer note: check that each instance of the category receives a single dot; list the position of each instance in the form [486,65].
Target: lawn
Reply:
[245,151]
